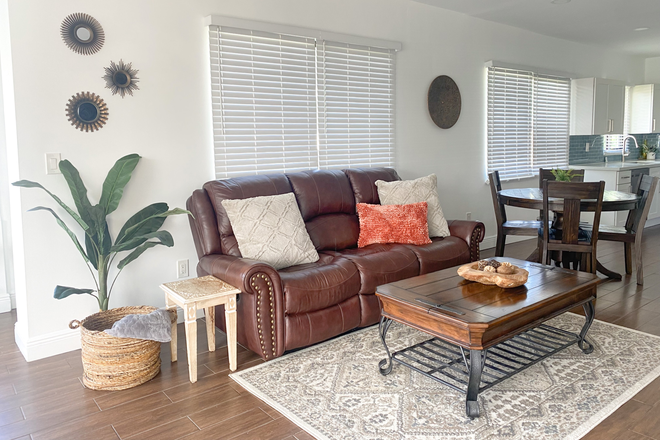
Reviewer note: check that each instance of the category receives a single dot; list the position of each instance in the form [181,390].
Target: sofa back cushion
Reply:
[363,182]
[240,188]
[327,205]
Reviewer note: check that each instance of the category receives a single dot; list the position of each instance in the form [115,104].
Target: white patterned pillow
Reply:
[424,189]
[271,229]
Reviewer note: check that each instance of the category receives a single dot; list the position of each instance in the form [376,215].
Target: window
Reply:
[284,102]
[613,143]
[528,122]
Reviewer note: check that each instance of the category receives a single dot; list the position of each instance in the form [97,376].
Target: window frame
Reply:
[528,91]
[365,124]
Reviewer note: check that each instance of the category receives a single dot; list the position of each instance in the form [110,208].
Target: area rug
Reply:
[335,391]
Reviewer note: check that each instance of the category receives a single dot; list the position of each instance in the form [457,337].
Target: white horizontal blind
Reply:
[552,103]
[264,102]
[528,122]
[356,106]
[510,122]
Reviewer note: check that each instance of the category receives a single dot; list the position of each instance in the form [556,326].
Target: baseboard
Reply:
[652,222]
[47,345]
[489,242]
[5,303]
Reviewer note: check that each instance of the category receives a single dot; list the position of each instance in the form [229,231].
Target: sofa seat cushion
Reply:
[442,253]
[381,264]
[315,286]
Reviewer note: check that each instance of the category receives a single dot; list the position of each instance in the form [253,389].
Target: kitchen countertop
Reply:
[616,166]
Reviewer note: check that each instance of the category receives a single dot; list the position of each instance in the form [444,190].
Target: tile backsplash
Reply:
[577,153]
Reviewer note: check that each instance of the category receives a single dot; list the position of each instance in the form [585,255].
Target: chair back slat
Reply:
[495,187]
[646,190]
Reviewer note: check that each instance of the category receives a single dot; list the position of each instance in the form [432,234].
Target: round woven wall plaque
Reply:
[444,101]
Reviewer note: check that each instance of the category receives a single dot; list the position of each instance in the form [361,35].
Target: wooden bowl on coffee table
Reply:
[471,272]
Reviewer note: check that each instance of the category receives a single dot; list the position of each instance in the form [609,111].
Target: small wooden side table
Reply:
[197,293]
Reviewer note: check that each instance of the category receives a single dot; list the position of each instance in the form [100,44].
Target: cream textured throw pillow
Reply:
[271,229]
[424,189]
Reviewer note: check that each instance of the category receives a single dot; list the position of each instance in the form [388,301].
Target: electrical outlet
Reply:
[468,216]
[587,147]
[182,269]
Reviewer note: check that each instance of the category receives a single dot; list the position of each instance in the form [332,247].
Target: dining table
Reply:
[532,198]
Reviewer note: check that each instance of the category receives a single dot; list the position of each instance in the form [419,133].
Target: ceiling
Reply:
[607,23]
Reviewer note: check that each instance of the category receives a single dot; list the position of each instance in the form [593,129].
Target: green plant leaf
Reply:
[130,231]
[72,213]
[164,237]
[63,291]
[118,177]
[145,221]
[66,228]
[137,252]
[78,191]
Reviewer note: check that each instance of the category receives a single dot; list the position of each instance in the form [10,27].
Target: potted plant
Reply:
[644,150]
[563,175]
[109,362]
[651,153]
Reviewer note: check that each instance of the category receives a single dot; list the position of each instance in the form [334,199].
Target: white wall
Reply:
[652,70]
[168,119]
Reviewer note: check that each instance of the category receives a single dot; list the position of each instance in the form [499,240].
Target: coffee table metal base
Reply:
[473,371]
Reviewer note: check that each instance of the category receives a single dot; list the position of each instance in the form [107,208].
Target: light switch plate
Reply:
[53,163]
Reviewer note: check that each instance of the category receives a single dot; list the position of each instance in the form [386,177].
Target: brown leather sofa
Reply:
[305,304]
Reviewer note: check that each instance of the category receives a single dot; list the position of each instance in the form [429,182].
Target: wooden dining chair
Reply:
[571,238]
[506,227]
[546,174]
[631,234]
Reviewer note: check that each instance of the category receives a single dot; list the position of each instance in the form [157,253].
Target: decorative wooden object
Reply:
[472,273]
[82,33]
[444,100]
[121,78]
[87,111]
[202,293]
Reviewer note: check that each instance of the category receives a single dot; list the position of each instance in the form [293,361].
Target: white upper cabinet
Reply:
[645,108]
[597,106]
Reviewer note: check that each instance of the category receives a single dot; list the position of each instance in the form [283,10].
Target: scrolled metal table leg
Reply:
[589,312]
[385,366]
[477,360]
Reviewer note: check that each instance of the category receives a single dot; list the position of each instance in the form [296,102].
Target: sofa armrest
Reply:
[261,303]
[472,232]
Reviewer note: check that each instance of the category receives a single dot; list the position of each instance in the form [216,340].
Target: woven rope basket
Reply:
[112,363]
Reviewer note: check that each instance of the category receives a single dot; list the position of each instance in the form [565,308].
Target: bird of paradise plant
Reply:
[139,233]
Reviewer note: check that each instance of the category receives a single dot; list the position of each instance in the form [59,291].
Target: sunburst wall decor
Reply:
[82,33]
[87,111]
[120,78]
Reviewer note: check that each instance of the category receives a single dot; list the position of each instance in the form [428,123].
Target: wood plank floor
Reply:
[46,400]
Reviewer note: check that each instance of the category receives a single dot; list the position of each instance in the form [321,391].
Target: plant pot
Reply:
[111,363]
[650,156]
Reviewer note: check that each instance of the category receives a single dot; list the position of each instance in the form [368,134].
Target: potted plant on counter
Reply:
[563,175]
[110,362]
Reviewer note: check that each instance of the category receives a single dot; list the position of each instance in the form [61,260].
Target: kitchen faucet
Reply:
[623,151]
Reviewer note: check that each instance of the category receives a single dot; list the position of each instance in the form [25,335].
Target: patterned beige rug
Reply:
[334,390]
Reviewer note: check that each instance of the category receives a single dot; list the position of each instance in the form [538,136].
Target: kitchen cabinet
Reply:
[615,180]
[597,106]
[645,108]
[654,211]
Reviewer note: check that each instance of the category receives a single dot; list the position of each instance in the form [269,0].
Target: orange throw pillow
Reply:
[406,224]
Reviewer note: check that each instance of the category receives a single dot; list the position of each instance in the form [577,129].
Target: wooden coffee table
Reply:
[484,334]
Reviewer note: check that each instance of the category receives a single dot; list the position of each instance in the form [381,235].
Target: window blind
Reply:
[356,106]
[528,122]
[284,103]
[263,89]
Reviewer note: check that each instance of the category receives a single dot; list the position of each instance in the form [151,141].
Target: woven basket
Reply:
[112,363]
